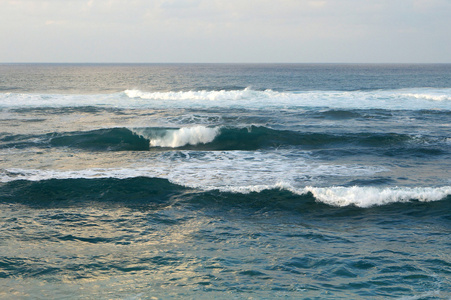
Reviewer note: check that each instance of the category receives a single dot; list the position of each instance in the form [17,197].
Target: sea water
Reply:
[219,181]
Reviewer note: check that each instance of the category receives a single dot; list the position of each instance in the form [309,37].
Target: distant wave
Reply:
[399,99]
[219,95]
[404,99]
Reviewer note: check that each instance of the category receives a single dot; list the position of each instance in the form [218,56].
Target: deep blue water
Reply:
[209,181]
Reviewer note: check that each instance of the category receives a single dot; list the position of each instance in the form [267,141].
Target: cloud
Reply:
[234,30]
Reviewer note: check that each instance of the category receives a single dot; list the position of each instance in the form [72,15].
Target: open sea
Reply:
[225,181]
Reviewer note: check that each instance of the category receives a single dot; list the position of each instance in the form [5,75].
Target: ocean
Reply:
[225,181]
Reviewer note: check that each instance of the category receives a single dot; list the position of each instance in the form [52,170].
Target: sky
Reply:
[226,31]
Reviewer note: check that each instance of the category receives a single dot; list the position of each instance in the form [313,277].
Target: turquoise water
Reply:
[225,181]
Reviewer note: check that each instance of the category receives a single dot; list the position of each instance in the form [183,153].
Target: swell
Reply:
[155,193]
[204,138]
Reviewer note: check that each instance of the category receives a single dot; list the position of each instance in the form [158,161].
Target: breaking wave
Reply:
[363,197]
[371,196]
[182,137]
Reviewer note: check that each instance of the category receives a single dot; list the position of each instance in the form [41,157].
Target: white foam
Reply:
[203,95]
[433,97]
[371,196]
[185,136]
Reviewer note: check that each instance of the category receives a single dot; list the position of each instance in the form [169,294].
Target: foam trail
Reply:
[185,136]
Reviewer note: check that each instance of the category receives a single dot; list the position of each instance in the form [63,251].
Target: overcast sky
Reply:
[305,31]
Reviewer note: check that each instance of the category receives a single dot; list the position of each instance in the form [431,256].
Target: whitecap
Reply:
[185,136]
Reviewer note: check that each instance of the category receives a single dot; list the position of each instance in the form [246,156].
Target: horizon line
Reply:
[232,63]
